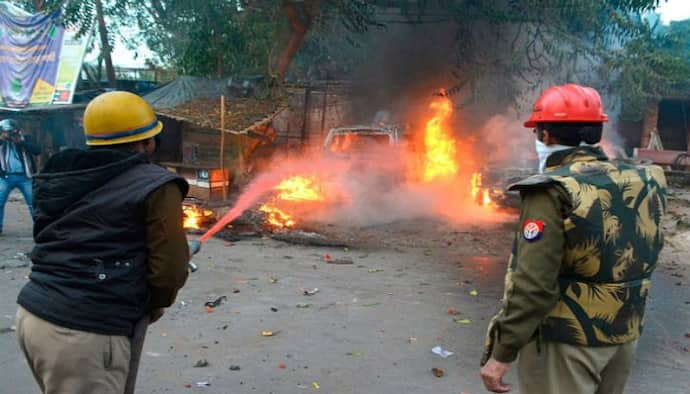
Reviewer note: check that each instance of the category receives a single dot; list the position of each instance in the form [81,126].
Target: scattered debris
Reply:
[235,291]
[316,385]
[208,309]
[235,368]
[303,305]
[412,340]
[203,384]
[442,352]
[341,261]
[274,309]
[201,363]
[216,302]
[311,292]
[269,333]
[438,372]
[300,237]
[7,330]
[453,311]
[463,321]
[282,366]
[273,279]
[18,263]
[373,270]
[354,354]
[474,293]
[327,257]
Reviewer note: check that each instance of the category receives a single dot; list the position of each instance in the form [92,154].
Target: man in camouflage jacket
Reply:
[579,274]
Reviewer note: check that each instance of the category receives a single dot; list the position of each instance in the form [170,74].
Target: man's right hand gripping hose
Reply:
[194,248]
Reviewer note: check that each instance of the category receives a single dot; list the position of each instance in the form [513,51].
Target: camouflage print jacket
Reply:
[589,240]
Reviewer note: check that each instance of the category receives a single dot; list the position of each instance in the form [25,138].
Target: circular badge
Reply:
[532,230]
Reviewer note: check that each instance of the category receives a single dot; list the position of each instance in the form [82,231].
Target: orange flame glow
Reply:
[298,188]
[441,150]
[476,187]
[277,217]
[342,143]
[293,189]
[193,216]
[486,199]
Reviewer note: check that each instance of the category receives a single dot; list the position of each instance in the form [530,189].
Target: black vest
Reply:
[89,263]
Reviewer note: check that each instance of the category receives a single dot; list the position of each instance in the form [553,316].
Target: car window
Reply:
[357,142]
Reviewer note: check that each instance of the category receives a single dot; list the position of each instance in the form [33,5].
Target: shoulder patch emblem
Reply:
[532,230]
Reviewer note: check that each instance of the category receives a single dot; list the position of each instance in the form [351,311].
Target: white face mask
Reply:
[544,151]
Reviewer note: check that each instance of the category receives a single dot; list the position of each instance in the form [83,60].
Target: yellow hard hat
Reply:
[119,117]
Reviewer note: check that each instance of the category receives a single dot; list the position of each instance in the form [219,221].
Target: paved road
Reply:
[369,329]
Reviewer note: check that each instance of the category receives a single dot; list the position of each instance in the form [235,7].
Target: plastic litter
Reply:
[308,292]
[441,352]
[438,372]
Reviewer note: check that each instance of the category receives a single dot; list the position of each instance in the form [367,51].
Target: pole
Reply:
[222,145]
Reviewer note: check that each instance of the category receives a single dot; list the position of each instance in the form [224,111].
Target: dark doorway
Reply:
[674,124]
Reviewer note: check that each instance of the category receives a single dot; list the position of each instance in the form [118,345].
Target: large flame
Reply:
[294,189]
[440,160]
[299,188]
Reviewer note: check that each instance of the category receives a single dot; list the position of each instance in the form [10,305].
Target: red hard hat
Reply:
[566,104]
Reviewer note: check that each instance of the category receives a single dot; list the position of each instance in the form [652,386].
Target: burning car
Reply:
[361,139]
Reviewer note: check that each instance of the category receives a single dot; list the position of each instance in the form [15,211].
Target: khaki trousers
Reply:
[560,368]
[66,361]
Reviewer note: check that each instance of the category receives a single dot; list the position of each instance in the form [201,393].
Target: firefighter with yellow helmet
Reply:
[109,250]
[579,273]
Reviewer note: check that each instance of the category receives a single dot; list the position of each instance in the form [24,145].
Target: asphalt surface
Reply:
[369,329]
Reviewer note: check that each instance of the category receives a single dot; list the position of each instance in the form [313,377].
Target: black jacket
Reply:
[90,256]
[25,149]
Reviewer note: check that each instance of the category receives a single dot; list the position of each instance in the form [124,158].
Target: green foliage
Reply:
[509,44]
[653,65]
[209,38]
[338,40]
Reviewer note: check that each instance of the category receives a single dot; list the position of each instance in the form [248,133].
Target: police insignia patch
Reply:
[532,230]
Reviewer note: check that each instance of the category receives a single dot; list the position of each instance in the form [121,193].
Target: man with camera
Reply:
[16,164]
